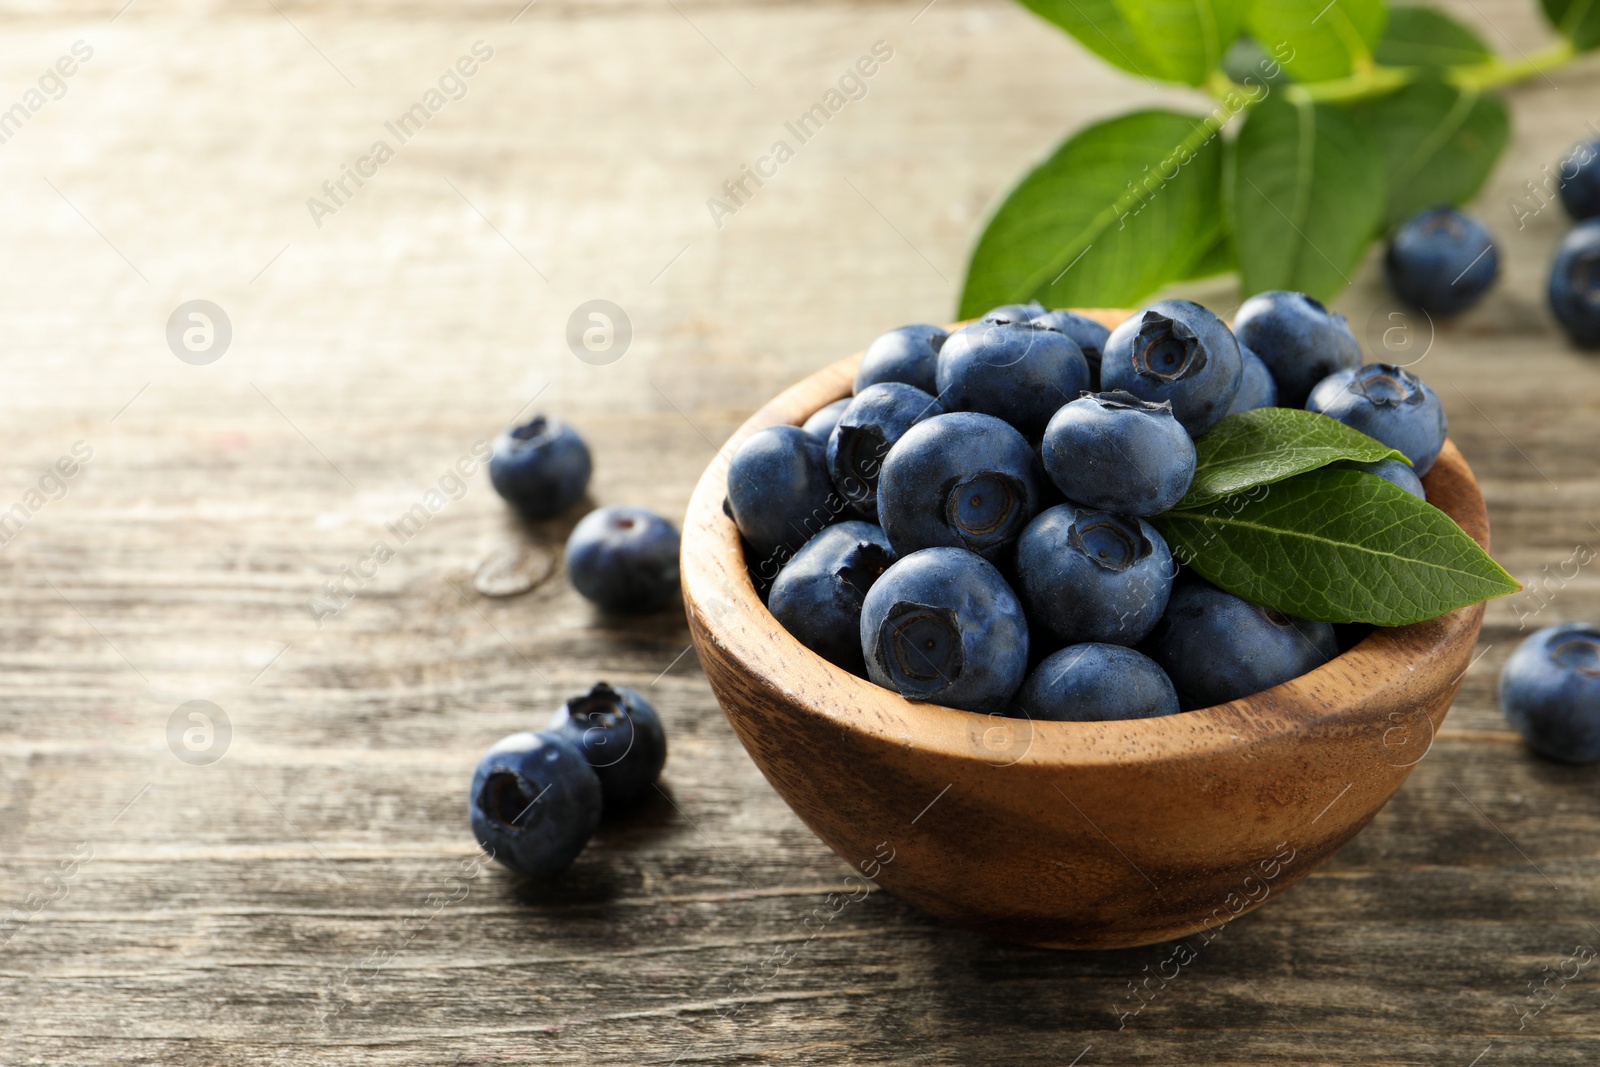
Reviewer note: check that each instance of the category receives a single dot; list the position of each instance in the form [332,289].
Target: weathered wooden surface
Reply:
[294,902]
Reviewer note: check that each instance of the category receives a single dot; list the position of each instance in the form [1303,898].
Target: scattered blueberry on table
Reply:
[535,802]
[536,798]
[1580,181]
[620,735]
[624,559]
[1575,284]
[1550,692]
[1441,261]
[541,467]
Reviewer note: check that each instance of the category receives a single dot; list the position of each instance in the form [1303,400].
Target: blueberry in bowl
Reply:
[818,594]
[877,417]
[1178,352]
[1088,575]
[998,818]
[1300,341]
[1017,371]
[958,480]
[1388,403]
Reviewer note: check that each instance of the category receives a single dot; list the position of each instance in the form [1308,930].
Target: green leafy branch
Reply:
[1355,116]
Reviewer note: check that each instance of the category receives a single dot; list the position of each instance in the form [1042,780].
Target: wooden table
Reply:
[310,896]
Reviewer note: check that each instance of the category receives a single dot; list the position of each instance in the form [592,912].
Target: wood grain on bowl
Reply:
[1071,835]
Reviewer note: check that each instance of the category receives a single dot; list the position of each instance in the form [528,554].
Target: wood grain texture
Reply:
[1070,834]
[269,908]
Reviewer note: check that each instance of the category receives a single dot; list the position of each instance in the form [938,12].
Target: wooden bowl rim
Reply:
[721,598]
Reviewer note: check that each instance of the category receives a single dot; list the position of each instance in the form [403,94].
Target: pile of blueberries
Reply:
[537,798]
[1443,261]
[970,527]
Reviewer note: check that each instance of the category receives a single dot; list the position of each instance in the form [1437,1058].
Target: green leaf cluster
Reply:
[1330,123]
[1271,519]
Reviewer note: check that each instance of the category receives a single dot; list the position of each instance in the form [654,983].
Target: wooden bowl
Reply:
[1085,835]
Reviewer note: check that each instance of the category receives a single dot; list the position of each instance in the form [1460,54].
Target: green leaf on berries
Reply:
[1338,546]
[1118,210]
[1099,26]
[1185,39]
[1305,192]
[1578,20]
[1438,143]
[1423,37]
[1270,444]
[1321,40]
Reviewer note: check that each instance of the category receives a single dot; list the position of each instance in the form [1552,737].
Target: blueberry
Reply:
[624,559]
[1013,312]
[1441,261]
[1299,340]
[1095,682]
[1256,387]
[541,467]
[877,418]
[818,594]
[909,355]
[1011,370]
[1392,471]
[824,419]
[1216,647]
[1550,692]
[535,802]
[1580,193]
[1087,334]
[1176,350]
[1387,403]
[779,490]
[620,735]
[961,480]
[1575,284]
[1115,452]
[943,626]
[1088,575]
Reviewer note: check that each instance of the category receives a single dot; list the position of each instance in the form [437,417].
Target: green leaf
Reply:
[1270,444]
[1096,225]
[1185,39]
[1326,40]
[1423,37]
[1305,194]
[1339,546]
[1578,20]
[1220,258]
[1099,26]
[1438,143]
